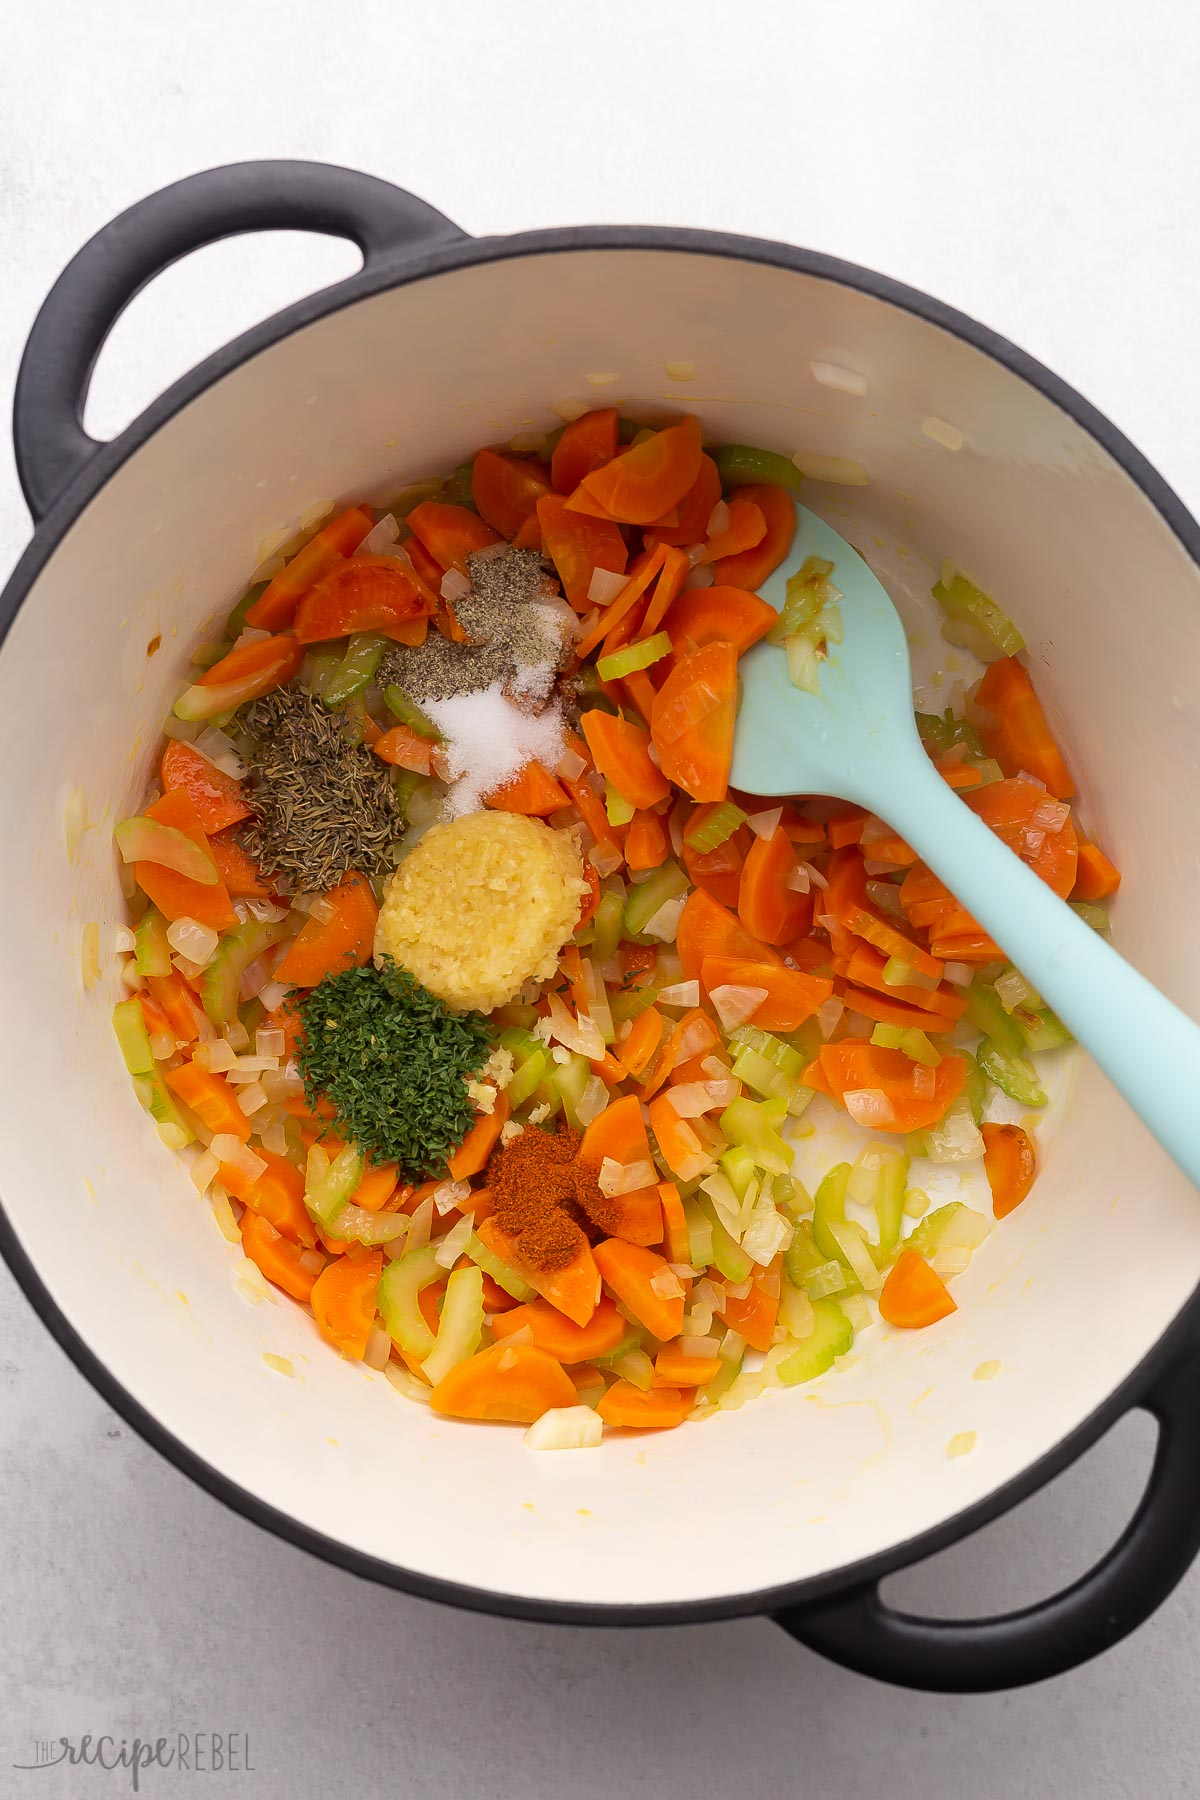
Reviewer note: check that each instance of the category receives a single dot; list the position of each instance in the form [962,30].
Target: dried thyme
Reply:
[322,804]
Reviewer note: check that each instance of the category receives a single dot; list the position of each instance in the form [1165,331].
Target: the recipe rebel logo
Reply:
[191,1752]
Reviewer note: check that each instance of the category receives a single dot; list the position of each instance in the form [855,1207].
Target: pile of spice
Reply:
[546,1199]
[394,1062]
[322,805]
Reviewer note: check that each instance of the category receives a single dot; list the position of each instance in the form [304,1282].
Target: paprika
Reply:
[545,1198]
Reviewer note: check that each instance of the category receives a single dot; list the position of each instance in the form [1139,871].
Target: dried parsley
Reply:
[394,1062]
[323,805]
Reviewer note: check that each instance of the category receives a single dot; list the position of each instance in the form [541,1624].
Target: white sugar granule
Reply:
[488,741]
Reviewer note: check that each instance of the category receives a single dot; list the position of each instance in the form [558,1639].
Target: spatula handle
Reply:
[1147,1047]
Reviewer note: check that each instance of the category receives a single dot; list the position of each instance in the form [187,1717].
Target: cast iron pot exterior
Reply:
[63,471]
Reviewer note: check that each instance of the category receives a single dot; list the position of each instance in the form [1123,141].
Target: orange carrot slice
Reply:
[326,947]
[1010,1165]
[515,1383]
[693,719]
[912,1295]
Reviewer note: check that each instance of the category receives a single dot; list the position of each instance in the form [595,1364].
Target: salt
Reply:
[489,741]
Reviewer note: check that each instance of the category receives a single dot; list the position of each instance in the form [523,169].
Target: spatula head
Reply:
[791,742]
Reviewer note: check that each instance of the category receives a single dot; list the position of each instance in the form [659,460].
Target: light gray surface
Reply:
[1031,163]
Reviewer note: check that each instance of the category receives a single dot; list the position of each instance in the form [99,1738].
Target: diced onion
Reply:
[229,1149]
[1033,780]
[765,824]
[606,859]
[870,1107]
[718,520]
[454,1243]
[691,1098]
[766,1235]
[380,538]
[565,1428]
[251,1097]
[270,1041]
[454,585]
[666,1284]
[592,1101]
[572,408]
[956,1138]
[799,880]
[665,922]
[195,941]
[735,1005]
[958,974]
[203,1171]
[680,993]
[581,1035]
[699,1346]
[450,1194]
[605,586]
[815,876]
[571,766]
[273,994]
[829,1015]
[1013,991]
[722,1092]
[124,940]
[702,576]
[802,663]
[617,1178]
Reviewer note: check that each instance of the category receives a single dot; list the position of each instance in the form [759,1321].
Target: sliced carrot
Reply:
[635,1217]
[891,849]
[514,1383]
[177,896]
[913,1296]
[754,1315]
[428,567]
[621,752]
[617,1133]
[569,1343]
[693,719]
[238,870]
[607,1068]
[376,1187]
[211,1099]
[472,1154]
[657,1409]
[668,586]
[793,995]
[957,774]
[1020,737]
[276,1193]
[219,800]
[678,1139]
[718,615]
[326,947]
[578,546]
[1095,877]
[750,569]
[183,1013]
[629,1270]
[646,481]
[694,510]
[1010,1164]
[768,908]
[276,1256]
[646,842]
[642,1042]
[674,1369]
[707,928]
[865,968]
[719,871]
[343,1302]
[890,941]
[662,1063]
[855,1066]
[276,606]
[586,444]
[1008,807]
[364,593]
[506,489]
[640,692]
[675,1231]
[845,828]
[882,1011]
[450,533]
[746,528]
[591,899]
[404,748]
[255,669]
[617,612]
[574,1289]
[533,792]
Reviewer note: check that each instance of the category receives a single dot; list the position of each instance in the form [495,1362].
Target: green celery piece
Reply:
[130,1026]
[738,1167]
[237,950]
[792,1197]
[397,1299]
[606,923]
[749,1124]
[521,1041]
[836,1237]
[988,1016]
[372,1228]
[762,1076]
[831,1336]
[458,488]
[152,952]
[632,657]
[727,1254]
[322,669]
[355,671]
[1091,914]
[502,1273]
[793,1309]
[935,732]
[889,1203]
[738,464]
[630,1003]
[720,825]
[724,1379]
[406,712]
[548,1095]
[700,1236]
[460,1328]
[618,809]
[145,840]
[809,1268]
[975,1089]
[354,720]
[1042,1030]
[326,1198]
[631,1341]
[235,624]
[976,621]
[784,1056]
[527,1077]
[911,1040]
[1013,1075]
[406,782]
[644,900]
[570,1079]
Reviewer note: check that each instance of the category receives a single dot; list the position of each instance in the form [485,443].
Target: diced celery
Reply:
[739,1168]
[397,1299]
[130,1026]
[988,1016]
[889,1201]
[951,1227]
[152,951]
[461,1325]
[617,807]
[328,1185]
[606,925]
[629,1343]
[810,1269]
[738,464]
[323,666]
[762,1076]
[785,1057]
[364,653]
[406,782]
[837,1236]
[644,900]
[1091,914]
[752,1125]
[235,624]
[548,1095]
[723,1380]
[632,657]
[1014,1075]
[727,1255]
[527,1077]
[408,713]
[1043,1029]
[795,1310]
[502,1273]
[635,1367]
[237,950]
[974,1089]
[700,1234]
[570,1079]
[975,621]
[521,1041]
[719,826]
[832,1335]
[911,1040]
[145,840]
[944,732]
[629,1003]
[792,1197]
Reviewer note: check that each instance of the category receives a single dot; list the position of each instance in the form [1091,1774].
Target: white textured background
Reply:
[1032,163]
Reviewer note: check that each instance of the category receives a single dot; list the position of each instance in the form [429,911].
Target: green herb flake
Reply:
[394,1063]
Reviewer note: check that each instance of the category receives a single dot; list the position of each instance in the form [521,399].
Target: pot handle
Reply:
[97,285]
[973,1656]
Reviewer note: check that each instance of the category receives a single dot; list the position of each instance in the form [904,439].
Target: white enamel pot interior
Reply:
[1067,1297]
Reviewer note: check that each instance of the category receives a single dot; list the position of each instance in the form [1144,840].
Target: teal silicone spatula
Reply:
[857,740]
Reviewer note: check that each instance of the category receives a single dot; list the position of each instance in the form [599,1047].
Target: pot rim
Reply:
[401,269]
